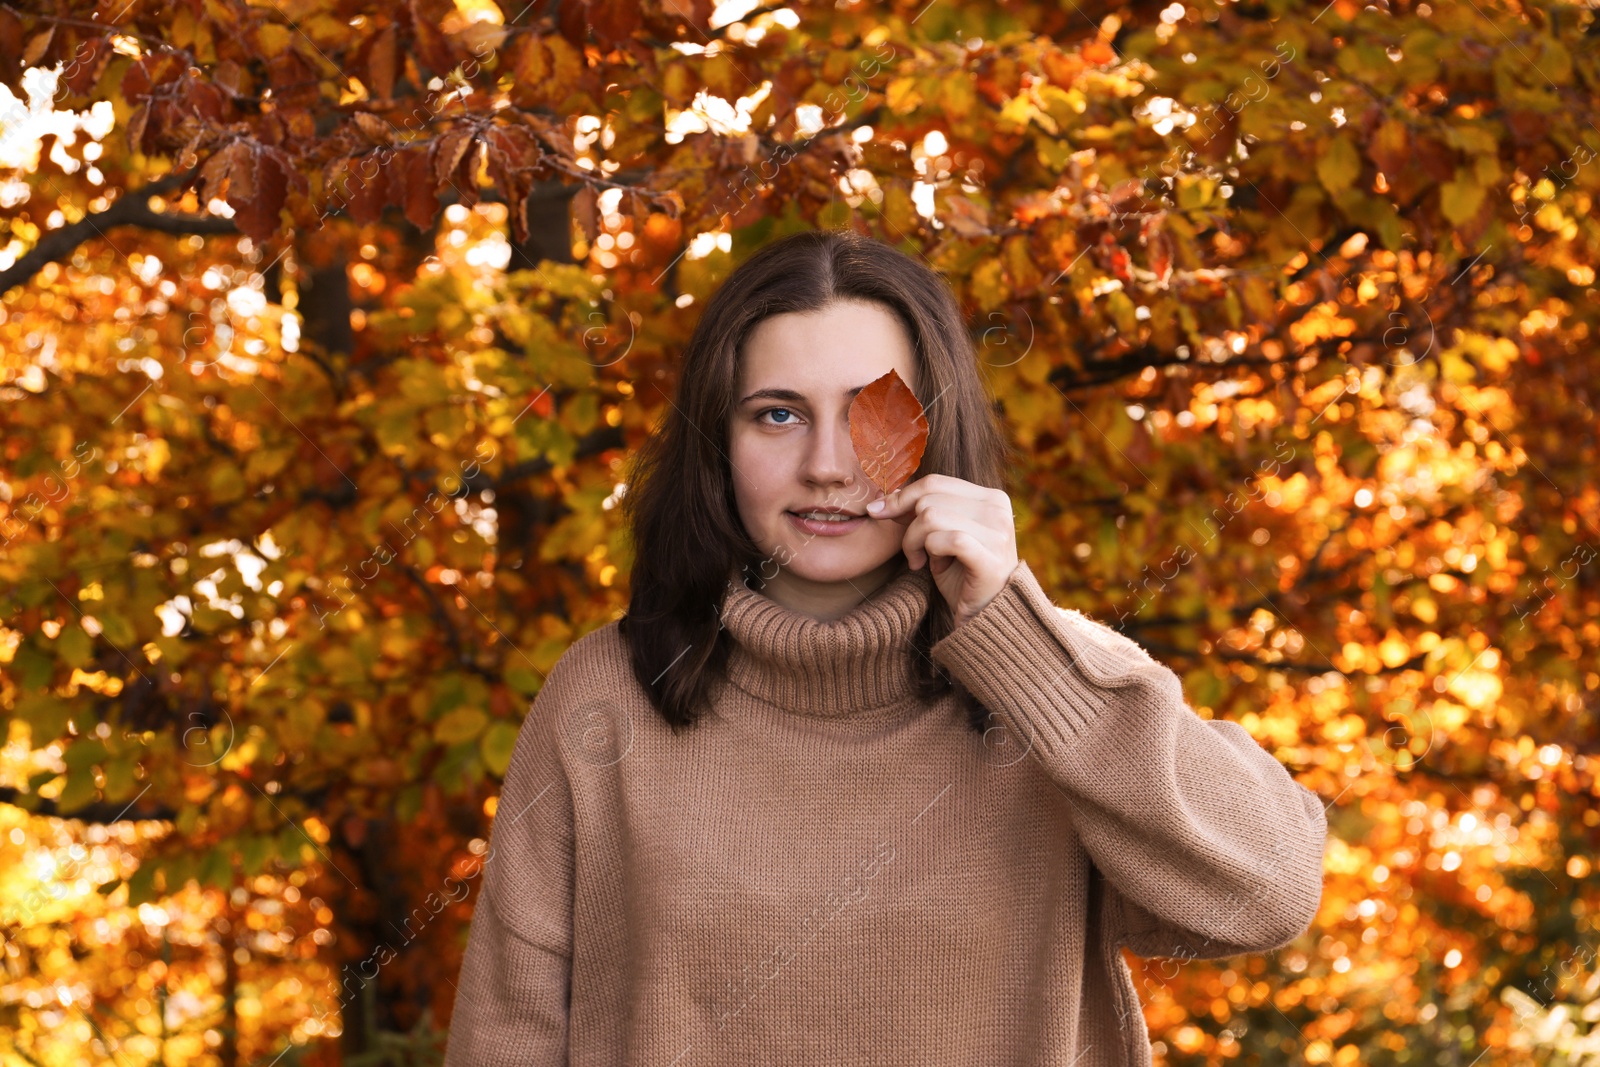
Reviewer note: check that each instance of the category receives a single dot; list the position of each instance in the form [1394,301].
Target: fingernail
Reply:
[875,506]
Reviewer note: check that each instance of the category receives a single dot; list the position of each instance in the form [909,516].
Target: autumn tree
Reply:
[327,333]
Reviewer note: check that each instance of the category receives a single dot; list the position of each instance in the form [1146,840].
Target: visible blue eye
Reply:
[769,411]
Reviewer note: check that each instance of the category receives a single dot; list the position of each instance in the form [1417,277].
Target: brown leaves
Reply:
[413,178]
[253,179]
[612,21]
[375,180]
[516,163]
[381,64]
[585,208]
[889,431]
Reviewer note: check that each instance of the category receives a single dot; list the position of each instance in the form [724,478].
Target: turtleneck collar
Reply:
[861,661]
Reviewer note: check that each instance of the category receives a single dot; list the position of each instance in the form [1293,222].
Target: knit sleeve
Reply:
[512,995]
[1209,847]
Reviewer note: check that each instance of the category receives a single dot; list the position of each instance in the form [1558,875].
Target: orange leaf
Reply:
[270,176]
[585,209]
[381,64]
[1098,52]
[421,202]
[889,431]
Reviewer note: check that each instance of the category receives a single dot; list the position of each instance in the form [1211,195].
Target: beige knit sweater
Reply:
[826,871]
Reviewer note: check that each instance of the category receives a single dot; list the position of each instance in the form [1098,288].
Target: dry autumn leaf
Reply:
[889,431]
[316,155]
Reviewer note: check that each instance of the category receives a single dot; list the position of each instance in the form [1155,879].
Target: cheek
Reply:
[760,471]
[753,488]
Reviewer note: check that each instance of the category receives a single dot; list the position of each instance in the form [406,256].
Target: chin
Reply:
[840,569]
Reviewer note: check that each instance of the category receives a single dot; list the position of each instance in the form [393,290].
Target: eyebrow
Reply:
[788,394]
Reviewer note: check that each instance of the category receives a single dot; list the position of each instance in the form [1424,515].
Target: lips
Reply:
[846,523]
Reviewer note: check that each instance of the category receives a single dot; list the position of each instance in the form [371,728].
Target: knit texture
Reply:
[825,870]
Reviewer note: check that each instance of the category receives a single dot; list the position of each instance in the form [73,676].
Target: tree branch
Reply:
[132,208]
[102,812]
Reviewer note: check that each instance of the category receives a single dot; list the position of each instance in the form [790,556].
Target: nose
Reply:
[830,456]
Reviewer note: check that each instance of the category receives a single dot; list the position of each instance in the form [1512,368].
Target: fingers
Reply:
[937,531]
[918,494]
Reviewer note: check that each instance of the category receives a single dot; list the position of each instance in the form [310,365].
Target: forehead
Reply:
[830,351]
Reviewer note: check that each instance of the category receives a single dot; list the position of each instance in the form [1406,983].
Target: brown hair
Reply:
[679,504]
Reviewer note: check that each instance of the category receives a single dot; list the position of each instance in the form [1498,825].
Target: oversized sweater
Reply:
[826,870]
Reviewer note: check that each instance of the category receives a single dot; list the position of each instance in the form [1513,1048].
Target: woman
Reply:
[853,790]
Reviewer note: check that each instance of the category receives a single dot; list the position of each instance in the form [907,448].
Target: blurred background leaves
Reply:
[326,333]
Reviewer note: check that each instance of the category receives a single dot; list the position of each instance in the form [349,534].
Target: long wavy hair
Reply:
[679,503]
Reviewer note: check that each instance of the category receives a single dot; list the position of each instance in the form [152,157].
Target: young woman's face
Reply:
[789,446]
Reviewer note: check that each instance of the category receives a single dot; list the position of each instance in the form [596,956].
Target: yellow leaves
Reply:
[1014,116]
[1475,688]
[987,284]
[264,463]
[1021,265]
[116,628]
[531,65]
[903,95]
[1044,105]
[524,680]
[74,646]
[1293,491]
[1494,354]
[462,724]
[157,454]
[957,97]
[1389,146]
[1393,650]
[323,31]
[1339,165]
[1319,324]
[1444,718]
[582,413]
[496,746]
[1425,609]
[1470,139]
[1461,197]
[1486,168]
[1555,62]
[1032,410]
[447,424]
[1345,729]
[1461,362]
[45,714]
[1123,313]
[723,77]
[898,209]
[1455,369]
[272,40]
[237,757]
[299,723]
[964,215]
[1061,106]
[224,481]
[1196,192]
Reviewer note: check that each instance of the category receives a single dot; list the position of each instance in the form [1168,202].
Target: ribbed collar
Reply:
[859,662]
